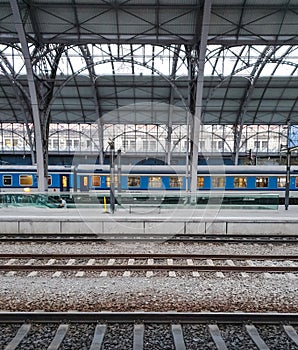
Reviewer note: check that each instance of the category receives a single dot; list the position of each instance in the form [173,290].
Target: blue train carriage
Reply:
[153,178]
[61,178]
[132,178]
[257,179]
[91,177]
[16,178]
[212,178]
[209,178]
[86,178]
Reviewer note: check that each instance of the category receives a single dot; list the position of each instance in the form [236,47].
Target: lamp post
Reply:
[288,178]
[119,170]
[112,177]
[288,151]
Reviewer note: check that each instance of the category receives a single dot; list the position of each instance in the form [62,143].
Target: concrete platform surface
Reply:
[150,220]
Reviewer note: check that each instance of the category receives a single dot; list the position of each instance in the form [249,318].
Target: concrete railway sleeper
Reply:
[148,331]
[145,262]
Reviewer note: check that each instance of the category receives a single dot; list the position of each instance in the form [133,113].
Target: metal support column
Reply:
[112,177]
[169,135]
[288,168]
[199,99]
[42,180]
[289,151]
[171,106]
[119,189]
[288,177]
[119,170]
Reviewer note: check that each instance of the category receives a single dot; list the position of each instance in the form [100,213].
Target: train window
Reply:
[240,181]
[26,180]
[64,181]
[155,181]
[200,181]
[95,180]
[175,181]
[296,182]
[7,180]
[218,181]
[262,181]
[49,180]
[281,181]
[85,181]
[133,181]
[108,180]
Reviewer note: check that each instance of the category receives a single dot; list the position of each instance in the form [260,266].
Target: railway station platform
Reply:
[150,220]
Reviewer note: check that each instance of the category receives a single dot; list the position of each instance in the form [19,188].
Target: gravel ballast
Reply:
[254,293]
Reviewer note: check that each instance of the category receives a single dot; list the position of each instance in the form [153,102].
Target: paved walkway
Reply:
[154,214]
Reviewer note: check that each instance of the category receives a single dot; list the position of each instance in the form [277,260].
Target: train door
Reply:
[84,183]
[64,183]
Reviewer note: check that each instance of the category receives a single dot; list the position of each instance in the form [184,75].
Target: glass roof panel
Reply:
[142,73]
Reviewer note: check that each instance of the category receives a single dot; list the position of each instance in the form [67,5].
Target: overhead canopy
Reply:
[145,100]
[139,83]
[158,22]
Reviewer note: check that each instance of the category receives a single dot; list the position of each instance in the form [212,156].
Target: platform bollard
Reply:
[105,204]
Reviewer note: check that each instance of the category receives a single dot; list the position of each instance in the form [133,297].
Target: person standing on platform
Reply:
[62,203]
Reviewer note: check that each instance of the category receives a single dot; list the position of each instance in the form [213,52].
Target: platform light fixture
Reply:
[288,150]
[112,177]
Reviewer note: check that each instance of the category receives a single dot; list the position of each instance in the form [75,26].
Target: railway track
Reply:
[148,331]
[184,238]
[147,263]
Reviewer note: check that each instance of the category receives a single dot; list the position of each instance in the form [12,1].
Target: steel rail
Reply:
[147,256]
[91,237]
[202,268]
[146,317]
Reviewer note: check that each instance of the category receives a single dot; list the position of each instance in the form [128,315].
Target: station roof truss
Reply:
[134,62]
[162,22]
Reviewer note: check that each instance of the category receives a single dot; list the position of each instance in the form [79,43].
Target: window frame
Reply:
[262,182]
[178,181]
[3,180]
[216,181]
[154,182]
[96,181]
[21,179]
[240,179]
[133,177]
